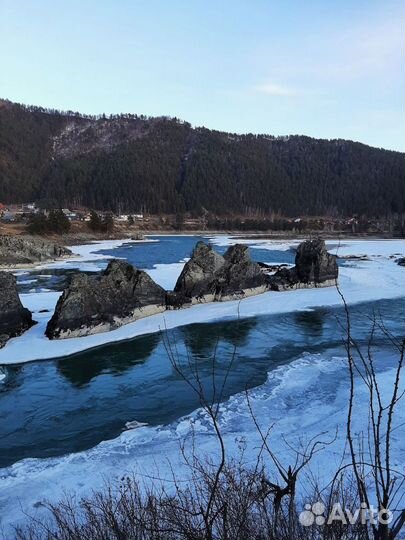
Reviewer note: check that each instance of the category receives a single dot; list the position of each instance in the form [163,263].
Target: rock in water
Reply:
[208,276]
[89,305]
[198,275]
[14,318]
[314,264]
[239,276]
[23,250]
[314,267]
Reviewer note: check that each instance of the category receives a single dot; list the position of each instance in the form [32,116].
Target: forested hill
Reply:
[127,163]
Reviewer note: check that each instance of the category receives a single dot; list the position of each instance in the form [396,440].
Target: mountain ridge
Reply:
[163,164]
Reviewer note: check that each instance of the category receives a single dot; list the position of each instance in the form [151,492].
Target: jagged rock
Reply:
[239,276]
[314,267]
[208,276]
[198,276]
[14,318]
[314,264]
[21,250]
[89,305]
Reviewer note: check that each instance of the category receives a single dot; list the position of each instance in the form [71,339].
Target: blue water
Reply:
[171,249]
[167,250]
[50,408]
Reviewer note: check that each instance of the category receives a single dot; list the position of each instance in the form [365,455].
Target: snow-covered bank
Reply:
[343,247]
[361,281]
[302,399]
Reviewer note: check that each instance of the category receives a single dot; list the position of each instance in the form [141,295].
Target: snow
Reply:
[340,247]
[308,396]
[166,274]
[374,279]
[86,256]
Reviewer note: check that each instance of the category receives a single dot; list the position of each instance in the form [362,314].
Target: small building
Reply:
[69,214]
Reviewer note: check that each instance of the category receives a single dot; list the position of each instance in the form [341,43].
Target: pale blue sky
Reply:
[324,68]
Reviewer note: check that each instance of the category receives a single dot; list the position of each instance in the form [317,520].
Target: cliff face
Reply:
[20,250]
[14,318]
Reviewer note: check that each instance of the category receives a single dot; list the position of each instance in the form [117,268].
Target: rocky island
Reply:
[314,267]
[28,250]
[123,294]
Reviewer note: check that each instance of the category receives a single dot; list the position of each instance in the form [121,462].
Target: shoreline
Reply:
[33,265]
[74,257]
[81,237]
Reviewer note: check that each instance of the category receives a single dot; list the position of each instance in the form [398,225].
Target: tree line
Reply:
[172,168]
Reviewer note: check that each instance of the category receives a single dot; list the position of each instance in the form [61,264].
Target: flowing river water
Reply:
[54,407]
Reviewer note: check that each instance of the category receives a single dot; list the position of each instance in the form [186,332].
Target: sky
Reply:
[323,68]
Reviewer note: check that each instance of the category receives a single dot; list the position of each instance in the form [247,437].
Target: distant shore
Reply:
[78,237]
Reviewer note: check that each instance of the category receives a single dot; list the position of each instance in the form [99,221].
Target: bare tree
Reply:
[371,456]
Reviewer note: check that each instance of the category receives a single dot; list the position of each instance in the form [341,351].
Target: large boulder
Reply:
[208,276]
[239,276]
[24,250]
[314,267]
[14,318]
[89,305]
[197,279]
[314,264]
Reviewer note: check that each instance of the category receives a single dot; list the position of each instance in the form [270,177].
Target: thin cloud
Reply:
[272,89]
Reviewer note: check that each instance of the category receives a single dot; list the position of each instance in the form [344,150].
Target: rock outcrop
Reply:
[198,276]
[123,294]
[14,318]
[93,304]
[239,276]
[314,267]
[401,261]
[208,276]
[24,250]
